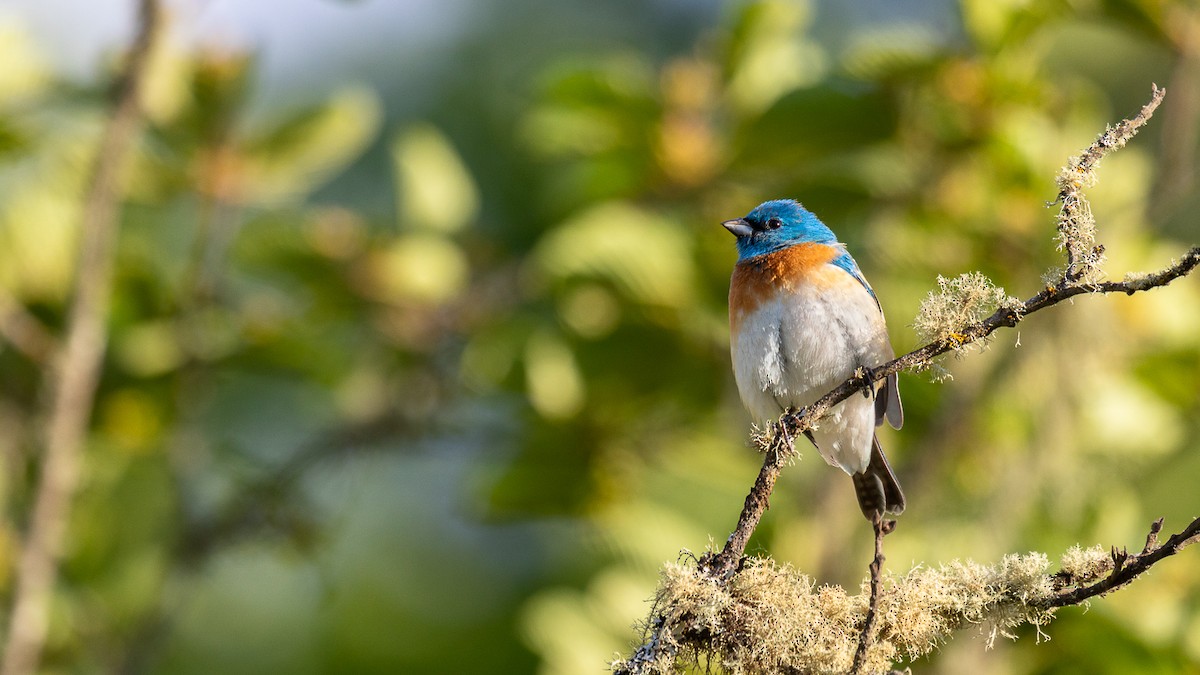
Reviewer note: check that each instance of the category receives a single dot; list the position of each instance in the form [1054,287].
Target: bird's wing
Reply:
[887,397]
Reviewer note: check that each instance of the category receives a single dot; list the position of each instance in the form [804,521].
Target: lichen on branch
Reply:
[1076,223]
[961,301]
[772,618]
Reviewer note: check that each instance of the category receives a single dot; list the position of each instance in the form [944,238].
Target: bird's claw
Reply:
[866,377]
[785,432]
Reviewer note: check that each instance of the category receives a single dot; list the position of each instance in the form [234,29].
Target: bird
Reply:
[802,320]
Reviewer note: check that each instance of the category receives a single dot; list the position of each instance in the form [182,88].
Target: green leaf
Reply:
[644,254]
[434,188]
[298,156]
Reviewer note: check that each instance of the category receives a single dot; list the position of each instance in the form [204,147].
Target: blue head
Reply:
[776,225]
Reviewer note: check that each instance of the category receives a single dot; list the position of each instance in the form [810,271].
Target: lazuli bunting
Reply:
[803,320]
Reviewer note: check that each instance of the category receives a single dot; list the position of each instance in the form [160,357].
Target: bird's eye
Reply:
[774,224]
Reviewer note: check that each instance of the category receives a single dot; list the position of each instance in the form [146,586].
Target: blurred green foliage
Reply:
[462,434]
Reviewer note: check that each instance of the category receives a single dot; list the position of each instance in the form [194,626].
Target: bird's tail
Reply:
[877,489]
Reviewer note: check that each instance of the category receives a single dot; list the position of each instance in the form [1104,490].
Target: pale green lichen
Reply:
[1085,565]
[958,303]
[772,618]
[1053,276]
[938,373]
[1144,281]
[1076,224]
[771,436]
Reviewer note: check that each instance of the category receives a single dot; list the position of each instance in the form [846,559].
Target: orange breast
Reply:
[760,278]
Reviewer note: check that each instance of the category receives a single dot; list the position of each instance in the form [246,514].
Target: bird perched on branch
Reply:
[803,320]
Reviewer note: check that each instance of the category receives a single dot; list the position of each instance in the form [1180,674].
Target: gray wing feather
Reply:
[887,403]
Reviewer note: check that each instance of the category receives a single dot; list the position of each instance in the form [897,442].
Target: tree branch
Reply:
[73,380]
[24,331]
[867,636]
[1126,568]
[773,619]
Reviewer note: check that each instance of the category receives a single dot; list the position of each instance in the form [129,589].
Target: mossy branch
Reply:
[1124,568]
[773,619]
[964,312]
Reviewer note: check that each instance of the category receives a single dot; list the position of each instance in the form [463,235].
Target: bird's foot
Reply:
[785,431]
[866,378]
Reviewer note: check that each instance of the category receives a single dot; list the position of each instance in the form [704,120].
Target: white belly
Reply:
[794,348]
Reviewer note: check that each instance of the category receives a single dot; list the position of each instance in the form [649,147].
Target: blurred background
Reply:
[418,359]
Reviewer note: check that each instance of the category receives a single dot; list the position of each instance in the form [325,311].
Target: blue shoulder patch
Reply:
[847,263]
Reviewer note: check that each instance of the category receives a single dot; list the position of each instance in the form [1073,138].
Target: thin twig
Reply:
[725,564]
[1116,136]
[647,657]
[72,382]
[1128,567]
[867,636]
[1076,224]
[24,331]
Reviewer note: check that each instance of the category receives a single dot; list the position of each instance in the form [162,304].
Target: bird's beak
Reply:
[739,227]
